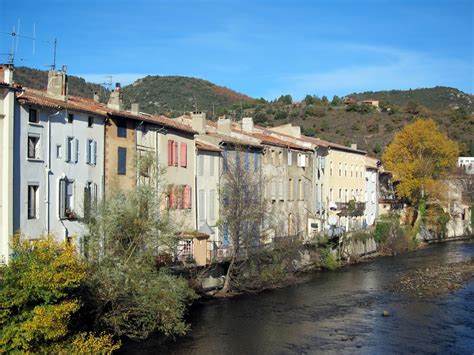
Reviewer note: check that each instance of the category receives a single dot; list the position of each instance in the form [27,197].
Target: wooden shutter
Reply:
[88,151]
[76,150]
[184,155]
[173,197]
[62,198]
[170,153]
[175,154]
[187,197]
[94,152]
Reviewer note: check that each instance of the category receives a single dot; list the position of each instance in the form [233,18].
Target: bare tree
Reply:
[243,211]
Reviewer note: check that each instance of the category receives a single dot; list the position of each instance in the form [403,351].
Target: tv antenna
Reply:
[15,35]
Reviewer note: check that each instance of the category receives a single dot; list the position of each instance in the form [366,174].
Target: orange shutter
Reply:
[187,197]
[170,152]
[175,154]
[184,155]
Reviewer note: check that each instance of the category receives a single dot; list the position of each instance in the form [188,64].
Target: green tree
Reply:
[309,100]
[324,125]
[128,295]
[336,101]
[377,148]
[285,99]
[39,299]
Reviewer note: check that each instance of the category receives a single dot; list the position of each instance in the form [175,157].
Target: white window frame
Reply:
[37,146]
[36,201]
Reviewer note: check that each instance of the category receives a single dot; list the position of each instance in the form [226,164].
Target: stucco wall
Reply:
[112,142]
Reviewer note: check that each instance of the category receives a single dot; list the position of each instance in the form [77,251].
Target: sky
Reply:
[260,48]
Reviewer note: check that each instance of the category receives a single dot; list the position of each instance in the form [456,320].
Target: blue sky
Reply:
[261,48]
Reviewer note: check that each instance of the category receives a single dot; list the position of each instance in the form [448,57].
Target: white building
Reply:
[371,190]
[467,164]
[57,162]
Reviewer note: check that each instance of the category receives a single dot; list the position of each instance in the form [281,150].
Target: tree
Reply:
[419,157]
[309,100]
[377,148]
[128,295]
[39,300]
[242,212]
[285,99]
[336,101]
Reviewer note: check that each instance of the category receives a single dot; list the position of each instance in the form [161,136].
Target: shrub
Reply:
[38,297]
[328,259]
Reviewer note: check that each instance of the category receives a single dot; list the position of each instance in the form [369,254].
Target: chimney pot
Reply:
[354,146]
[247,124]
[96,96]
[199,121]
[224,126]
[135,109]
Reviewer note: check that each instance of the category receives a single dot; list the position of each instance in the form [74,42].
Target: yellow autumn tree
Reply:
[419,157]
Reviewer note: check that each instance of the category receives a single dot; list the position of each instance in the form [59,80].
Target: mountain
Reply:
[439,98]
[38,79]
[175,94]
[371,129]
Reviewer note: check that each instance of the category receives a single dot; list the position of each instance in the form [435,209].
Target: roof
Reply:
[233,140]
[76,103]
[326,144]
[207,147]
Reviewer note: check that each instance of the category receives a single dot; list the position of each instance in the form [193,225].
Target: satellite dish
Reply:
[332,220]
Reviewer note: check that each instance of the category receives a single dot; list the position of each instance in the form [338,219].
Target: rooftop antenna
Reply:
[15,35]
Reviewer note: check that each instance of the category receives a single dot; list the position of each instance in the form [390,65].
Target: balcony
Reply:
[351,208]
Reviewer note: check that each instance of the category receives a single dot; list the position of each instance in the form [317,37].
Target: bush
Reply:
[328,259]
[38,298]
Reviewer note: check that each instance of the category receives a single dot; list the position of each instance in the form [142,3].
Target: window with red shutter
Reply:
[187,197]
[175,154]
[173,197]
[184,155]
[170,153]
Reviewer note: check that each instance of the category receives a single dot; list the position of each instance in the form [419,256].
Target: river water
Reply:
[335,312]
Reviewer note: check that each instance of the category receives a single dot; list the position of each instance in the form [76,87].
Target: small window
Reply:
[59,151]
[33,201]
[33,116]
[121,127]
[69,148]
[33,147]
[90,121]
[91,152]
[70,118]
[122,161]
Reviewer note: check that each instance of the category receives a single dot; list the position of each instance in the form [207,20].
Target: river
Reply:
[335,312]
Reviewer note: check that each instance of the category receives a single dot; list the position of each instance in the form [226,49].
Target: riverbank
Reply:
[336,312]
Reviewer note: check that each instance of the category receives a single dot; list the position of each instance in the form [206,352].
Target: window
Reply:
[184,155]
[280,188]
[59,151]
[345,170]
[121,127]
[91,152]
[340,195]
[331,195]
[201,165]
[33,116]
[256,162]
[66,199]
[280,158]
[330,168]
[122,161]
[290,158]
[187,197]
[202,205]
[33,146]
[90,199]
[273,189]
[33,201]
[90,121]
[212,202]
[70,118]
[352,170]
[290,189]
[300,183]
[69,148]
[224,156]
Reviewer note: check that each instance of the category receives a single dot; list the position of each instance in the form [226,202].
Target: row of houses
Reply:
[59,153]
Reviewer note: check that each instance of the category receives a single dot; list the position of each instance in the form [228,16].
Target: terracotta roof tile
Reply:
[207,147]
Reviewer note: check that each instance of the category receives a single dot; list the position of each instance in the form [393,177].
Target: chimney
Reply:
[116,98]
[199,122]
[96,96]
[135,109]
[6,74]
[247,124]
[224,126]
[354,146]
[57,84]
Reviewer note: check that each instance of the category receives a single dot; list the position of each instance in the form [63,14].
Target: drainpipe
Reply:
[48,172]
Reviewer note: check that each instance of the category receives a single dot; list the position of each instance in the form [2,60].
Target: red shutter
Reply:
[170,153]
[184,155]
[172,200]
[187,197]
[175,154]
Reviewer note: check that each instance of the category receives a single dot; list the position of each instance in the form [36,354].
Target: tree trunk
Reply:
[226,288]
